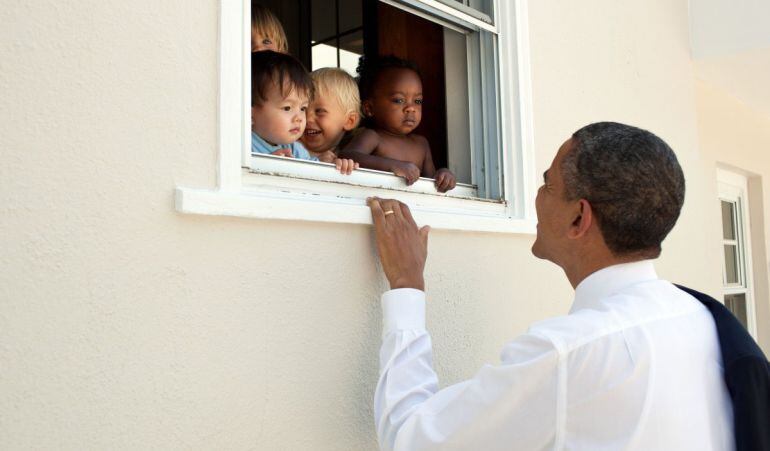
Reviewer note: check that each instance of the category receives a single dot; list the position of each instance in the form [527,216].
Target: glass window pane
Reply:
[323,23]
[350,15]
[728,225]
[485,6]
[351,48]
[736,303]
[324,55]
[731,264]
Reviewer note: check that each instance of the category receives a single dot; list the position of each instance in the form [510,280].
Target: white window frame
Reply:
[733,188]
[291,190]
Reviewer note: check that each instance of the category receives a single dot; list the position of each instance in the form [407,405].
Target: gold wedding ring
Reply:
[389,212]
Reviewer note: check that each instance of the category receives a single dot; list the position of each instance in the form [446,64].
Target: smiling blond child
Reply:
[281,89]
[333,112]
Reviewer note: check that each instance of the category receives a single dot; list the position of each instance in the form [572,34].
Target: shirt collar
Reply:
[610,280]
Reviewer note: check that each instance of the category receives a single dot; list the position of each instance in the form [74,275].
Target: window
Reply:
[736,267]
[483,84]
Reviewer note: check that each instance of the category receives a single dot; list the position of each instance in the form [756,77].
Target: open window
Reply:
[454,47]
[475,61]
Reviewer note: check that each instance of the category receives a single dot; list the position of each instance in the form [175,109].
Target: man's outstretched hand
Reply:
[402,246]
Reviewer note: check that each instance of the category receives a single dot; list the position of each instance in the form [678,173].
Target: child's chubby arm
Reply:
[360,149]
[444,179]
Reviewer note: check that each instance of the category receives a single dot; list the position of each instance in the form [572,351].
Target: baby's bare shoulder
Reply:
[419,140]
[365,138]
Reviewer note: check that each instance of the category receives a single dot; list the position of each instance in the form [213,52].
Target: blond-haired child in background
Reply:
[333,112]
[266,31]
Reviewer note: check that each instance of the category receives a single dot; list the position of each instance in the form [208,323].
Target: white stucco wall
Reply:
[124,324]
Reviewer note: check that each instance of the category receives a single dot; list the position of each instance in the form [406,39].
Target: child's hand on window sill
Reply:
[445,180]
[409,171]
[345,165]
[283,153]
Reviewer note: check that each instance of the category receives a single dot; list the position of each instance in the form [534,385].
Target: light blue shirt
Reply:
[259,145]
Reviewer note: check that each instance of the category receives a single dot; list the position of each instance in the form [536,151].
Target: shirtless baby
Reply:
[391,93]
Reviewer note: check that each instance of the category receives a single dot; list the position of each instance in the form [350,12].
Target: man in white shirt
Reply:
[634,365]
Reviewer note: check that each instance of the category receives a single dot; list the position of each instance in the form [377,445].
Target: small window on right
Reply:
[737,286]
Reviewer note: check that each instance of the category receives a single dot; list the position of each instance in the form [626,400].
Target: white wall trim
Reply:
[296,206]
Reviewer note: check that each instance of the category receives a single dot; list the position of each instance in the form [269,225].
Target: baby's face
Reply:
[260,42]
[280,120]
[396,101]
[327,122]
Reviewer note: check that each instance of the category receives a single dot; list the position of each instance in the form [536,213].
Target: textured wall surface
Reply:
[125,325]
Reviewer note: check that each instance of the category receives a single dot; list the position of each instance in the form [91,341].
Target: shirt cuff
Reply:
[403,309]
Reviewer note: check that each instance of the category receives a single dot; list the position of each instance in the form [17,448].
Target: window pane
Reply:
[736,303]
[728,225]
[350,15]
[351,48]
[324,25]
[485,6]
[458,133]
[324,55]
[731,264]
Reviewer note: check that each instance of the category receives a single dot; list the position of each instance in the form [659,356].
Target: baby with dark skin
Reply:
[391,93]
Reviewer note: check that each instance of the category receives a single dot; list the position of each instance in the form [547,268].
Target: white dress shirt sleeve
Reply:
[511,406]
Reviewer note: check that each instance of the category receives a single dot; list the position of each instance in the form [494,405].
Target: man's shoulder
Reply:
[644,302]
[568,331]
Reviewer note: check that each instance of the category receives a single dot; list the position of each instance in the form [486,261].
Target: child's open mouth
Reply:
[312,132]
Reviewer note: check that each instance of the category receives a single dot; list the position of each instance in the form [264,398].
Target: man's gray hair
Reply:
[633,182]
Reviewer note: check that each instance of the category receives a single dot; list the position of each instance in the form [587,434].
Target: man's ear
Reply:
[584,218]
[350,121]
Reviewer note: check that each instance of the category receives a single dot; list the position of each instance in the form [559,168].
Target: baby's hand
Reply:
[345,165]
[327,157]
[445,180]
[408,171]
[285,152]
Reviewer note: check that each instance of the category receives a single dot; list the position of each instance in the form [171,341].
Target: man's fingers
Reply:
[394,206]
[424,231]
[406,213]
[378,216]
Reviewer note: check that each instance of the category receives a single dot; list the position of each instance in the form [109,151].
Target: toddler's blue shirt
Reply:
[259,145]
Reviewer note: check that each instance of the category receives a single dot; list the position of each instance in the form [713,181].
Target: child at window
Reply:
[280,92]
[333,111]
[266,31]
[391,91]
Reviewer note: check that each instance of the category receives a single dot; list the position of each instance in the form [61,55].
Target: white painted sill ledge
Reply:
[279,188]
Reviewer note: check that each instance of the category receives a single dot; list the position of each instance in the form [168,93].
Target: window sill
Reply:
[271,196]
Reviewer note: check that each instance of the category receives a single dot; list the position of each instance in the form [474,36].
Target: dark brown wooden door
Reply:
[421,41]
